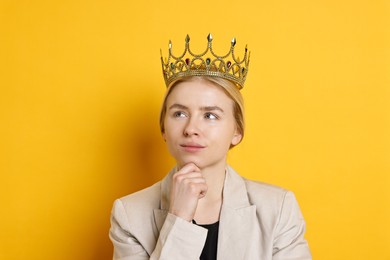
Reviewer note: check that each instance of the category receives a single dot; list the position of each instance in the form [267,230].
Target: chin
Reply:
[183,161]
[201,164]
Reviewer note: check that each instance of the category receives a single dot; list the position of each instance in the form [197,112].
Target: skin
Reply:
[199,130]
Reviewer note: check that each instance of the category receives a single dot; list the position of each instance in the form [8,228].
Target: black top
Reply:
[209,251]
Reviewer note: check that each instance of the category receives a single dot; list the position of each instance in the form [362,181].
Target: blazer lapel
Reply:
[161,213]
[238,225]
[159,218]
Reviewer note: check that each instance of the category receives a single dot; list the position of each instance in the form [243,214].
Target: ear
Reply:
[236,138]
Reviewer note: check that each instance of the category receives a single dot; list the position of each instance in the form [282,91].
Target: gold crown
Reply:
[206,63]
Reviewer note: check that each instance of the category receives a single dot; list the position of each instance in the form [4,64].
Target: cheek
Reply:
[169,130]
[166,128]
[233,136]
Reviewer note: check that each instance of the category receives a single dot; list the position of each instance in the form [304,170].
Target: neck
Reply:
[209,207]
[215,179]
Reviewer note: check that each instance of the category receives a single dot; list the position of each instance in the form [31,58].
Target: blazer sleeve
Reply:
[178,239]
[289,241]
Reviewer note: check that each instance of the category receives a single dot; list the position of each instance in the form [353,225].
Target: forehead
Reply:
[199,93]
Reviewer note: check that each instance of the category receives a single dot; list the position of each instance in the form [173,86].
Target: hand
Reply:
[188,186]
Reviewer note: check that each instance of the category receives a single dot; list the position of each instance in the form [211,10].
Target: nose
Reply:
[192,127]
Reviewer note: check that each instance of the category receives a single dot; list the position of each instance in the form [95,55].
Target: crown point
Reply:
[209,37]
[220,66]
[234,42]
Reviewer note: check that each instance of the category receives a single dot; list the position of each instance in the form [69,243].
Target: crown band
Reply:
[207,63]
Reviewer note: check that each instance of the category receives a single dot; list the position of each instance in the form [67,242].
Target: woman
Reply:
[203,209]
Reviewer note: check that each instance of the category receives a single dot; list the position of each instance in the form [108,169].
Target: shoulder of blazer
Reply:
[269,200]
[261,190]
[143,202]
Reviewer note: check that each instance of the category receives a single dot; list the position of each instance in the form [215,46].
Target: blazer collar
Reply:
[166,184]
[234,191]
[238,221]
[161,213]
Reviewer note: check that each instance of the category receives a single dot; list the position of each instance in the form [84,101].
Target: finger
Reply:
[198,189]
[189,167]
[194,180]
[203,191]
[188,177]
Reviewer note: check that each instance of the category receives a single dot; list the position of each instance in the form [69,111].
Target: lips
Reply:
[192,147]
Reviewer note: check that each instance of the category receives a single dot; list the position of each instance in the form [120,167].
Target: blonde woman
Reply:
[203,209]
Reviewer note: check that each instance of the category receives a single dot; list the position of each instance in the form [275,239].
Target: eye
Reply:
[179,114]
[211,116]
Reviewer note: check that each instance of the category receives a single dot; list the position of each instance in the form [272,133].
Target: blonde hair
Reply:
[227,86]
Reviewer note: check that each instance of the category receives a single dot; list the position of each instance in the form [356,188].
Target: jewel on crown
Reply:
[206,63]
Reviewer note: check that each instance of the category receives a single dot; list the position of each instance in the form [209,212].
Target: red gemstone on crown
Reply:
[188,61]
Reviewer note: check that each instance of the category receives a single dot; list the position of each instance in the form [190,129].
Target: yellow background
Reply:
[81,87]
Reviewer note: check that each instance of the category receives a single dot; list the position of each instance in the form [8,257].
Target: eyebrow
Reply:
[204,108]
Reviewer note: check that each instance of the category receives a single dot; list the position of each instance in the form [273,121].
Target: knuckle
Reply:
[194,188]
[178,177]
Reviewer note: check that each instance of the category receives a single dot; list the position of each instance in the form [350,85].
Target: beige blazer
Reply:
[257,222]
